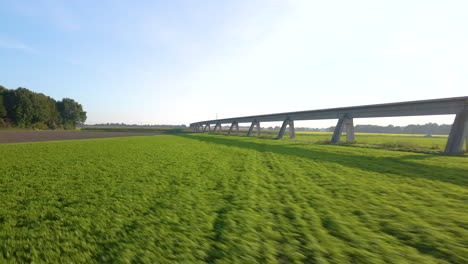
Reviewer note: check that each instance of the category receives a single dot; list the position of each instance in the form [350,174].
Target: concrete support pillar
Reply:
[349,128]
[234,124]
[292,132]
[206,126]
[466,139]
[216,127]
[251,129]
[338,130]
[287,122]
[343,123]
[458,133]
[254,123]
[282,129]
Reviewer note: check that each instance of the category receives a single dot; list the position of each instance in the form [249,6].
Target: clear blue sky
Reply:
[176,62]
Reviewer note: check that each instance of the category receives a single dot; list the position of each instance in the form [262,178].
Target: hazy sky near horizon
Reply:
[181,61]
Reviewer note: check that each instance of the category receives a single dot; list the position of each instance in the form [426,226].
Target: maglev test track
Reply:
[345,115]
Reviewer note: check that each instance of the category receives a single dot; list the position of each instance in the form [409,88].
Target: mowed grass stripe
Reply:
[216,199]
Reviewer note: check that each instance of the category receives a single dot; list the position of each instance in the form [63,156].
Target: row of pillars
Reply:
[346,123]
[458,133]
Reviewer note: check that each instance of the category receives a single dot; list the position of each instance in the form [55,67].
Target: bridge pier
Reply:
[216,127]
[466,140]
[287,122]
[207,126]
[254,123]
[347,124]
[234,124]
[458,133]
[349,128]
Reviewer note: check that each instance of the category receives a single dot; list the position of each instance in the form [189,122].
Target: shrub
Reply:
[39,126]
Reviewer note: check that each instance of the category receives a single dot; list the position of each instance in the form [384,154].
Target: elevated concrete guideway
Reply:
[345,115]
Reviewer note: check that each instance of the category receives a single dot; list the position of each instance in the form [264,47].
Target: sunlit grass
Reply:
[198,198]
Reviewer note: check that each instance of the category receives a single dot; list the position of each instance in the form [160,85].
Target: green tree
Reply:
[45,110]
[23,107]
[71,113]
[3,111]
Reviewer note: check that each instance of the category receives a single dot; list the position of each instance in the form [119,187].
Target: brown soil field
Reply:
[33,136]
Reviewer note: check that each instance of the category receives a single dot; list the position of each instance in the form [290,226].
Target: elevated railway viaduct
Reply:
[345,115]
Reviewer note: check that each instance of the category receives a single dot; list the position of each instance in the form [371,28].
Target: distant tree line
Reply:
[307,129]
[135,125]
[427,129]
[23,108]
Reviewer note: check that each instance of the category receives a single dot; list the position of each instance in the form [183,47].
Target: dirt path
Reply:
[32,136]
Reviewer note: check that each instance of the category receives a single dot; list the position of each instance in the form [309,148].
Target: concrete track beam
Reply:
[444,106]
[458,133]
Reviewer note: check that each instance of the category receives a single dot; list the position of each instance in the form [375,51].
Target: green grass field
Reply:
[406,142]
[402,142]
[198,198]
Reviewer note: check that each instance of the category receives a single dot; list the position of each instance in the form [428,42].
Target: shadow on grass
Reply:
[386,165]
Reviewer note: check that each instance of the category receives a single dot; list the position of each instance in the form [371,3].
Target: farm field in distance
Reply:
[200,198]
[436,143]
[404,142]
[17,136]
